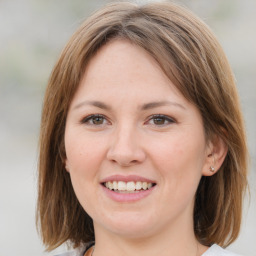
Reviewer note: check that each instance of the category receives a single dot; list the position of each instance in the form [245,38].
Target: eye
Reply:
[160,120]
[95,119]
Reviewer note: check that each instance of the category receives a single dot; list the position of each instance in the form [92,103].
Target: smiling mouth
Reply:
[128,187]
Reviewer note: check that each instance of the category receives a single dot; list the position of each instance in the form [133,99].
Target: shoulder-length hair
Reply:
[189,54]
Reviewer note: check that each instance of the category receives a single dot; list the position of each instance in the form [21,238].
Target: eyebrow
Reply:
[95,103]
[160,104]
[143,107]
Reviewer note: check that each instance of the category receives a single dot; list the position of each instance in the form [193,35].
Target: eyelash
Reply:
[165,118]
[89,118]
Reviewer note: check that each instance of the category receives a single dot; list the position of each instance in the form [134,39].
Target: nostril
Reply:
[124,162]
[126,152]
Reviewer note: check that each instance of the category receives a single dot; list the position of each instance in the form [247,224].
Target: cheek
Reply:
[179,162]
[84,157]
[83,152]
[179,150]
[180,159]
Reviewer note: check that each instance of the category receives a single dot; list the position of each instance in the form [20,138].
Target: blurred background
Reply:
[32,35]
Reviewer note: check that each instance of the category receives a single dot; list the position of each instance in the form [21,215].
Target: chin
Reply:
[129,225]
[133,231]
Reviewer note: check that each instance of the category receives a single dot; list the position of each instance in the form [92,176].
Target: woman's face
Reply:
[135,146]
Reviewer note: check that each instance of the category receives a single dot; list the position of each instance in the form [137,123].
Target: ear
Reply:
[66,164]
[215,155]
[63,155]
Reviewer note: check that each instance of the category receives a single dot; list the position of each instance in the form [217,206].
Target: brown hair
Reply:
[191,57]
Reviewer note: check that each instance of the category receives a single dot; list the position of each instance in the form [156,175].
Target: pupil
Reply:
[97,120]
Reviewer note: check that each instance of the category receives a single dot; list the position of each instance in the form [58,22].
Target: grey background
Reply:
[32,34]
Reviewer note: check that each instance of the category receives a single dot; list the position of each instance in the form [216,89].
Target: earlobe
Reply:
[66,165]
[217,152]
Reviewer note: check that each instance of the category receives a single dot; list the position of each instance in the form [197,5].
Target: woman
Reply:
[142,146]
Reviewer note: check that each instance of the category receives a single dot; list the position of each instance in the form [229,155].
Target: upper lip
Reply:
[127,178]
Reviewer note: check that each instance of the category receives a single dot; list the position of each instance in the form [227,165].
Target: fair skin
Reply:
[142,129]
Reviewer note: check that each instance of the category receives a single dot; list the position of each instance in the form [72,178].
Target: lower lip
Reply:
[127,197]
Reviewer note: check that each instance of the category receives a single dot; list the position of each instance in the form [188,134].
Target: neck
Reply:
[166,242]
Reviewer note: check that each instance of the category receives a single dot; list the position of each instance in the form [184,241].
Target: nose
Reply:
[125,148]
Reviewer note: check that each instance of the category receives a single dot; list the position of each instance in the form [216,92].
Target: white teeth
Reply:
[121,185]
[128,186]
[110,185]
[115,186]
[144,185]
[138,185]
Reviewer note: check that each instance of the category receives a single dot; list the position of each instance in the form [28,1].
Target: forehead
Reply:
[121,56]
[118,65]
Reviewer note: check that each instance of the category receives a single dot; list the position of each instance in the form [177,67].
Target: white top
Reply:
[214,250]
